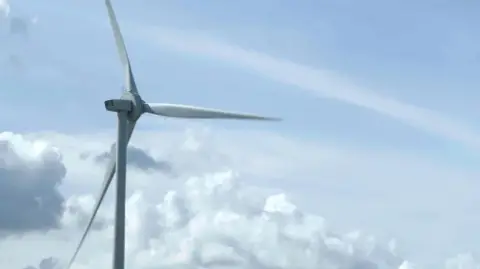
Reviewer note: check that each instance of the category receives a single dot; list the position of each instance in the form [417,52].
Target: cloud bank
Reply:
[216,217]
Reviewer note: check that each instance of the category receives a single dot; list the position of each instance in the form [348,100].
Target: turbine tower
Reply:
[129,107]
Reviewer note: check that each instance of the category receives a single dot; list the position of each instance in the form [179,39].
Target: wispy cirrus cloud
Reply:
[322,83]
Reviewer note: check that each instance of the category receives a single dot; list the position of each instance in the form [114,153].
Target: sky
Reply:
[379,133]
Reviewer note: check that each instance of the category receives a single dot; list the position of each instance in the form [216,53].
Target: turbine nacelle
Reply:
[118,105]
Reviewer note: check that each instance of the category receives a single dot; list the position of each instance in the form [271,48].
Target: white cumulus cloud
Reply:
[30,175]
[232,213]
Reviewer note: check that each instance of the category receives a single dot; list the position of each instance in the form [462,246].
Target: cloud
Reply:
[19,26]
[4,8]
[228,206]
[320,82]
[47,263]
[139,159]
[213,221]
[78,211]
[30,175]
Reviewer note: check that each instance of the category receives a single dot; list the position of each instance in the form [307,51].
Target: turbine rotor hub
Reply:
[137,105]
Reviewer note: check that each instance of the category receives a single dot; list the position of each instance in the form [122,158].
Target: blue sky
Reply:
[423,54]
[387,76]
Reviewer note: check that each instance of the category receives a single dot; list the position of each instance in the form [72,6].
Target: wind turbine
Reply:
[129,107]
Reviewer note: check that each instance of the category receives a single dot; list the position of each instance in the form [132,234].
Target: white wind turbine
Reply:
[129,107]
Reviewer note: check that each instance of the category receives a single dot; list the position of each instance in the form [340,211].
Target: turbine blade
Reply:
[106,183]
[183,111]
[122,50]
